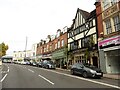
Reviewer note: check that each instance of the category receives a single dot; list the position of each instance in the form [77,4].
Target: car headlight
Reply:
[92,71]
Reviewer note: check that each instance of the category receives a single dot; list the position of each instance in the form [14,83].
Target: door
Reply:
[79,68]
[95,61]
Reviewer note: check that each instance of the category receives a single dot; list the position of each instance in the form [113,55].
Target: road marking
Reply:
[3,78]
[31,70]
[105,84]
[46,79]
[8,70]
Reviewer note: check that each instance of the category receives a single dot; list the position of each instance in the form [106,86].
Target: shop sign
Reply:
[113,40]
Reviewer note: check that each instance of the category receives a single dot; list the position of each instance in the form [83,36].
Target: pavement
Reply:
[111,76]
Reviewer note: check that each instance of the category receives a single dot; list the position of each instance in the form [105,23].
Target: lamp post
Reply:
[25,48]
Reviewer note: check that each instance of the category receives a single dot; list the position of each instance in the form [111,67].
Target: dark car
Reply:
[39,64]
[86,70]
[48,64]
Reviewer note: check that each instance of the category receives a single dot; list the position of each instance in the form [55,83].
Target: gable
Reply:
[80,18]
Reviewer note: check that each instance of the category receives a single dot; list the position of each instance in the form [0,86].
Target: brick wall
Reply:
[52,44]
[99,18]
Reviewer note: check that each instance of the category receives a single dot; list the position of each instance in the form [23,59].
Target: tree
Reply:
[3,49]
[90,43]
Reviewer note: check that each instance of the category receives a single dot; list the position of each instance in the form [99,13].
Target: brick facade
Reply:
[50,46]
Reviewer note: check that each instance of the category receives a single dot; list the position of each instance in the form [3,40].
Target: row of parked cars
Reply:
[43,64]
[84,69]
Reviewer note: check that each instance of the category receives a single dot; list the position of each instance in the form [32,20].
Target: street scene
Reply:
[60,44]
[25,76]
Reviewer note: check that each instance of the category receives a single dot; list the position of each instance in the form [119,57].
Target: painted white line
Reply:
[3,78]
[46,79]
[8,70]
[31,70]
[105,84]
[3,72]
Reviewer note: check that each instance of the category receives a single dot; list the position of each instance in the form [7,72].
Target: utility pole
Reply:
[25,46]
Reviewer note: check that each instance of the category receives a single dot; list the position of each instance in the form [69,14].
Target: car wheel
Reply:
[72,72]
[85,74]
[47,67]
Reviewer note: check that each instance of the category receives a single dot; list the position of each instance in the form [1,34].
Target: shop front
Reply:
[59,58]
[109,51]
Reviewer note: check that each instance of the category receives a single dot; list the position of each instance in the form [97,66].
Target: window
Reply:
[91,23]
[41,50]
[82,28]
[113,2]
[47,47]
[70,34]
[33,53]
[62,42]
[106,4]
[108,26]
[74,45]
[86,42]
[58,44]
[116,20]
[50,47]
[77,31]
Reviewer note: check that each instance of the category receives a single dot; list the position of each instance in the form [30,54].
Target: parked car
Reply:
[86,70]
[48,64]
[39,64]
[34,63]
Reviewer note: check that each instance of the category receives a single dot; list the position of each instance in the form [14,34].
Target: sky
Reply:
[35,19]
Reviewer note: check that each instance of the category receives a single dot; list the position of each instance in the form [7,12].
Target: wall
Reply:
[99,18]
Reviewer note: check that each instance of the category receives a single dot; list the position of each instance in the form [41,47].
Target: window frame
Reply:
[116,20]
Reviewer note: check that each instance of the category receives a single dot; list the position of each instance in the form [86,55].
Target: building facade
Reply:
[53,48]
[60,49]
[20,56]
[108,17]
[82,38]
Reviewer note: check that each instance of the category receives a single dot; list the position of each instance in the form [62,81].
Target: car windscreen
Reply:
[50,62]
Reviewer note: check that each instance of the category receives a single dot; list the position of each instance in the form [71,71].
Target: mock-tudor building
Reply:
[82,38]
[108,17]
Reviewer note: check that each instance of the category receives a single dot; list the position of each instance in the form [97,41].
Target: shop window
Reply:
[116,20]
[108,27]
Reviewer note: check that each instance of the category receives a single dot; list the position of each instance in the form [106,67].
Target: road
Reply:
[25,76]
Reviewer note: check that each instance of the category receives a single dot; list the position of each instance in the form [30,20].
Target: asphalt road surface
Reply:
[25,76]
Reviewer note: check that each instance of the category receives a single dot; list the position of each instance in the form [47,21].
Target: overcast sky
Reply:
[36,19]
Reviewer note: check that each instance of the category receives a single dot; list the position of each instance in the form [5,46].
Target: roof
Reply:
[84,13]
[92,14]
